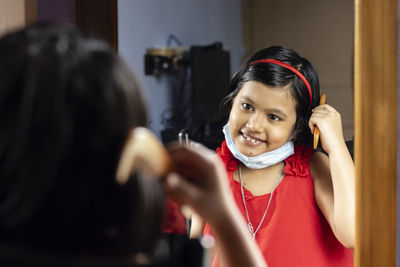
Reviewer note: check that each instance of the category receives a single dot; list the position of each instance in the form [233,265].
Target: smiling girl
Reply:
[299,204]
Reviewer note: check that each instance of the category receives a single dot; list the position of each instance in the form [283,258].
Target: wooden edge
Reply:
[31,11]
[376,132]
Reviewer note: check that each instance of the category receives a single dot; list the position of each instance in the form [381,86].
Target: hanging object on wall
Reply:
[197,103]
[163,59]
[210,70]
[210,74]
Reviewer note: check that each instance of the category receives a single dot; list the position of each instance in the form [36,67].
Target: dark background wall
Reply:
[57,10]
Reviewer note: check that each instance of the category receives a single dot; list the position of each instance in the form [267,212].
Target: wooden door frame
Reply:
[375,85]
[16,14]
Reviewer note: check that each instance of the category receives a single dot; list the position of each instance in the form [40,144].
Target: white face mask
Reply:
[263,160]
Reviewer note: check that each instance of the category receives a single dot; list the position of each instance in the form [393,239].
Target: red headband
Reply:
[280,63]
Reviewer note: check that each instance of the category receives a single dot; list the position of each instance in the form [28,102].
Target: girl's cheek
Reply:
[233,118]
[280,133]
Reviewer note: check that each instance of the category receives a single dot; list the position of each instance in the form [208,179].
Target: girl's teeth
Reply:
[252,140]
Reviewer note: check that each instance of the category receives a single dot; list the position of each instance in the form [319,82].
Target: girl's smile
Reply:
[262,118]
[252,141]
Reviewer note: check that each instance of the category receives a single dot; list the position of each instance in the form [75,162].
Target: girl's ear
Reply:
[293,136]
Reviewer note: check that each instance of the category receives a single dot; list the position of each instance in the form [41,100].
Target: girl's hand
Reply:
[200,182]
[329,122]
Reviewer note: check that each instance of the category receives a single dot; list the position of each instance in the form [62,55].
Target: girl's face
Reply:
[262,118]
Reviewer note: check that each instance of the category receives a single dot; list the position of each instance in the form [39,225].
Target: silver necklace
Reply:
[251,229]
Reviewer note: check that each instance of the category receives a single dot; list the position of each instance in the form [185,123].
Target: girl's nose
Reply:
[257,122]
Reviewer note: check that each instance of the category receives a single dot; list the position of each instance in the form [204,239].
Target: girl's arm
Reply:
[204,188]
[334,176]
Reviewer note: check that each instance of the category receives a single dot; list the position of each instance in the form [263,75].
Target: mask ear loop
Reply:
[293,137]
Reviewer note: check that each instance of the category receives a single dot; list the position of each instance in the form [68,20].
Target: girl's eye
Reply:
[247,106]
[274,117]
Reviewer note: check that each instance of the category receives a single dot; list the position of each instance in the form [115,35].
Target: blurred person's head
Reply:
[67,104]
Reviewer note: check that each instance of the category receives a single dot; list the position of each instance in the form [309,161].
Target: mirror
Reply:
[327,40]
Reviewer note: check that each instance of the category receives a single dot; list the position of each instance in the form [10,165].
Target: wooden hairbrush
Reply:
[144,152]
[316,130]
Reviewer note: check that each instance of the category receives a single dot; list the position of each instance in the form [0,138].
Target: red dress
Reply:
[294,231]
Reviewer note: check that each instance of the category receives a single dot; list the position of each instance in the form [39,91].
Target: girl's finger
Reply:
[179,189]
[312,127]
[324,106]
[201,160]
[314,120]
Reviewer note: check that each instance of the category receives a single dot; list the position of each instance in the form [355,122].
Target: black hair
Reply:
[277,76]
[67,104]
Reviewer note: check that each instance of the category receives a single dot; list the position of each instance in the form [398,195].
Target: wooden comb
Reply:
[316,130]
[143,151]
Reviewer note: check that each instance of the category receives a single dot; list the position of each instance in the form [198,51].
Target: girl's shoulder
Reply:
[230,162]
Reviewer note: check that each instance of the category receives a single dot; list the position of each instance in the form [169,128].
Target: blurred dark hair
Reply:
[67,103]
[279,77]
